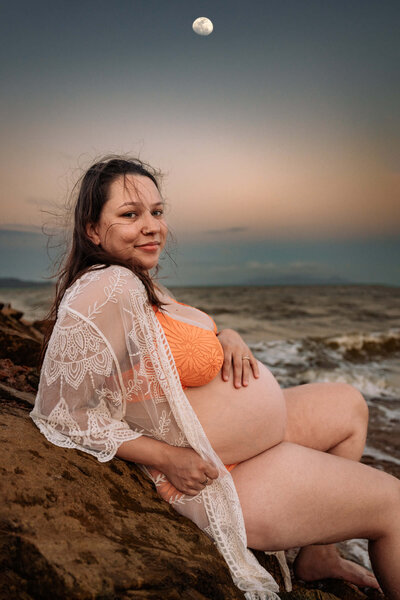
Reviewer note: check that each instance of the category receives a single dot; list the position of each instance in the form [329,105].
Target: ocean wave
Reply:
[380,456]
[364,346]
[370,384]
[366,361]
[357,347]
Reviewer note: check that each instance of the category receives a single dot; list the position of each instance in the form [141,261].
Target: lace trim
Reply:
[108,348]
[112,442]
[68,354]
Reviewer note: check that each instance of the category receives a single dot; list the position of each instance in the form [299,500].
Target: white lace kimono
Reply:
[108,377]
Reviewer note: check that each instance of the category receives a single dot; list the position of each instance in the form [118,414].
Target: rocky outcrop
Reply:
[19,341]
[73,528]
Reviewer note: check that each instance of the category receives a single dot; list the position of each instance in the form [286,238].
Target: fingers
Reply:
[249,365]
[245,372]
[238,369]
[193,478]
[211,472]
[191,487]
[195,487]
[193,491]
[243,366]
[206,476]
[187,471]
[254,366]
[234,351]
[226,366]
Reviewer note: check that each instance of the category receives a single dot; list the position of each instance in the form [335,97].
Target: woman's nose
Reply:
[150,223]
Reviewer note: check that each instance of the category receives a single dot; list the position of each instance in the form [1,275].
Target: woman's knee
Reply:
[355,403]
[359,405]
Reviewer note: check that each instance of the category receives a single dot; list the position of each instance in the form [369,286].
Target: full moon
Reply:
[202,26]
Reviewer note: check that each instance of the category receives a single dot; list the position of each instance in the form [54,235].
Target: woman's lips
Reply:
[150,247]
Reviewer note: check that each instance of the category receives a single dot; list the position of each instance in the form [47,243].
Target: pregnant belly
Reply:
[240,423]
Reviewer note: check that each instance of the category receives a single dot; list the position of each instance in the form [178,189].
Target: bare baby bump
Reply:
[241,423]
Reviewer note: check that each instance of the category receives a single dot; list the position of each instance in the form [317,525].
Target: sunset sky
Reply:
[278,134]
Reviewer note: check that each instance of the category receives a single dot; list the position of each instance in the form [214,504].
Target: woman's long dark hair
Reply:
[93,190]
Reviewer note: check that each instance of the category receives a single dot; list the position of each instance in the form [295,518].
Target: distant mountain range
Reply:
[13,282]
[299,279]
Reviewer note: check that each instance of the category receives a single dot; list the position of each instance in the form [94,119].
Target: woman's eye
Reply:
[158,213]
[130,215]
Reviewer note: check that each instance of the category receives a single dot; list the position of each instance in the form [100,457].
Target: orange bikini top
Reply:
[197,352]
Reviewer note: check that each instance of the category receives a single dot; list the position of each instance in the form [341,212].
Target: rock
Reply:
[23,398]
[327,589]
[19,377]
[78,529]
[8,311]
[12,319]
[305,594]
[41,325]
[74,528]
[19,342]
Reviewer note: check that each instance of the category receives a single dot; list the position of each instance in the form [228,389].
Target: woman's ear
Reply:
[91,232]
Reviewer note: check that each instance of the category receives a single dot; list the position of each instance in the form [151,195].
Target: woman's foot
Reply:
[324,562]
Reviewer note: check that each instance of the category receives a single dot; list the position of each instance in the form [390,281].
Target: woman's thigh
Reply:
[321,415]
[294,496]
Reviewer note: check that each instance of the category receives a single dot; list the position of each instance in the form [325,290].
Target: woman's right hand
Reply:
[186,470]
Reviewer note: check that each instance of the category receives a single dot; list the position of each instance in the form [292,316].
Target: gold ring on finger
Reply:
[246,358]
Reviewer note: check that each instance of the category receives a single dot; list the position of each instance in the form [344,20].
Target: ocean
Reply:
[335,333]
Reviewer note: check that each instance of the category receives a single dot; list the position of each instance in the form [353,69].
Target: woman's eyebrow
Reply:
[132,203]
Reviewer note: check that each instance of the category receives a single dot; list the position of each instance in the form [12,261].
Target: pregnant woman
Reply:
[128,371]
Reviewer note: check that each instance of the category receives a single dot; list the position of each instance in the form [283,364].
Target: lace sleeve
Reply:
[81,401]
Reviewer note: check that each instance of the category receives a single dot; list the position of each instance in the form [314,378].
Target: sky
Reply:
[278,135]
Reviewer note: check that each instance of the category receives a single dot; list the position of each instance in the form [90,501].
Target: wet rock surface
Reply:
[73,528]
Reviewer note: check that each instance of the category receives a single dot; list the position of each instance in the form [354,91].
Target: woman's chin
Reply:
[146,265]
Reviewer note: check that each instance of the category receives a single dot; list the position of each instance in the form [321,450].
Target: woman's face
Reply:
[131,224]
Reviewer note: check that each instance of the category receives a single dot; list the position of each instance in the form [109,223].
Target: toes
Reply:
[364,578]
[370,581]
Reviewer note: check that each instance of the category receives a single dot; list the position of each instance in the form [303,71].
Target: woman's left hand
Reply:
[238,356]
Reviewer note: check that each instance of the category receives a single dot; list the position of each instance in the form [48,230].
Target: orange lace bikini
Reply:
[197,352]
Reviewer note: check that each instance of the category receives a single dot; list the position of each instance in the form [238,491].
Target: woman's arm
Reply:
[238,356]
[183,467]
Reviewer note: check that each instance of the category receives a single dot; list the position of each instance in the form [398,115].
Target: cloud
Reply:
[291,267]
[21,227]
[257,267]
[227,230]
[41,202]
[263,266]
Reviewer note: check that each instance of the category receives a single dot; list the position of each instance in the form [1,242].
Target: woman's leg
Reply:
[331,417]
[295,496]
